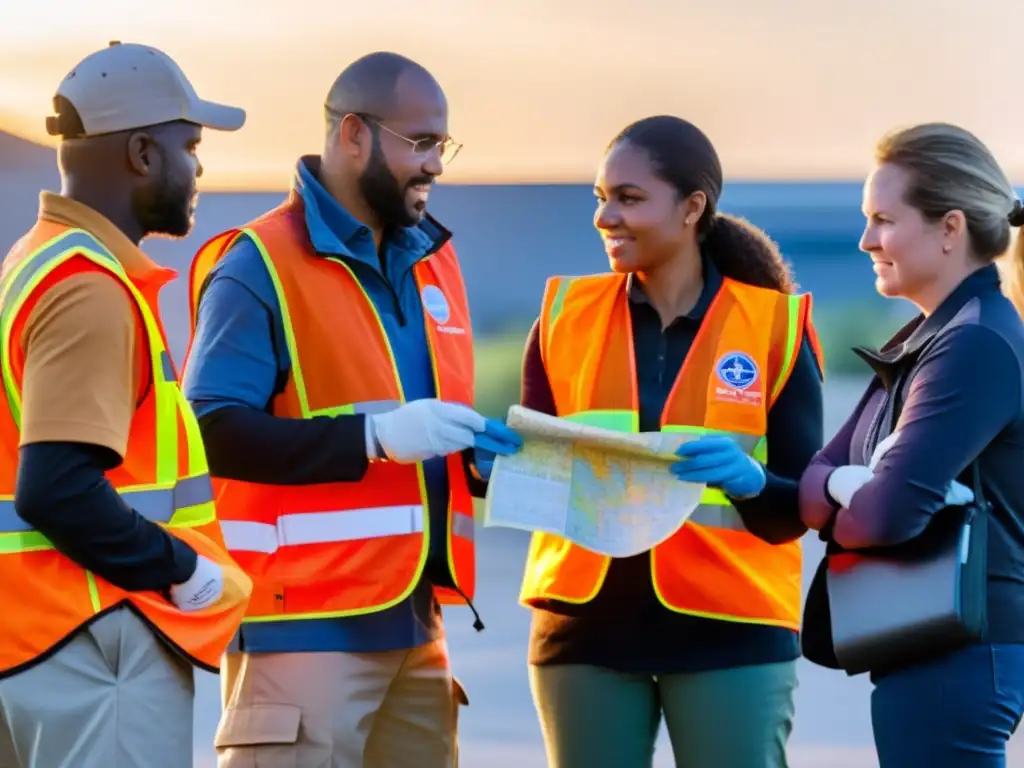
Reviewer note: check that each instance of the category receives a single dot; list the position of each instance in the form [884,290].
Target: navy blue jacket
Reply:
[964,401]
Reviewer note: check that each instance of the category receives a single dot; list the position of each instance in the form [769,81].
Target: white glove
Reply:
[846,481]
[882,448]
[422,429]
[958,494]
[203,588]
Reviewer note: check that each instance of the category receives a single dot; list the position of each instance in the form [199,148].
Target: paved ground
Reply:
[499,728]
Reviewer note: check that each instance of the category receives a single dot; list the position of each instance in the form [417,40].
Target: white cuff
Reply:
[958,494]
[845,481]
[371,443]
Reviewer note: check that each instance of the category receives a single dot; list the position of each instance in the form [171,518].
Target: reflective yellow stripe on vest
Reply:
[173,501]
[792,328]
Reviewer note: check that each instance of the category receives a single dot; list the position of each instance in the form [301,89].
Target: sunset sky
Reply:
[785,88]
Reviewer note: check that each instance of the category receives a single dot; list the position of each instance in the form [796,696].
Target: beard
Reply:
[166,207]
[166,210]
[385,196]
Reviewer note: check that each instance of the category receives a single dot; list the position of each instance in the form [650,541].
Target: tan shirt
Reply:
[86,364]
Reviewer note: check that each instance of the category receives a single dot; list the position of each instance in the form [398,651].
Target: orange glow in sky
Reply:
[785,89]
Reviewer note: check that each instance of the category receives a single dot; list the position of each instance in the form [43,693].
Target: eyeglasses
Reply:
[447,147]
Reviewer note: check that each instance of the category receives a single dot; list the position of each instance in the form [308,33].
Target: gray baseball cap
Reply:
[126,86]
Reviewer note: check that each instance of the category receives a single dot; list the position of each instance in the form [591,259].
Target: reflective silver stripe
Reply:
[718,516]
[463,527]
[168,366]
[329,527]
[74,241]
[192,491]
[322,527]
[158,505]
[372,407]
[747,442]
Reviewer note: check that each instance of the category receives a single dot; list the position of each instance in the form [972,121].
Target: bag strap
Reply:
[978,487]
[894,406]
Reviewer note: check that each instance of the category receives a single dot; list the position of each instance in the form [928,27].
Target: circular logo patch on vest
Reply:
[737,370]
[436,304]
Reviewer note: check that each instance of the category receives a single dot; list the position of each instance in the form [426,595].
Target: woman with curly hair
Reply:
[696,329]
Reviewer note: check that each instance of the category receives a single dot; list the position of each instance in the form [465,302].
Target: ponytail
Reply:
[745,253]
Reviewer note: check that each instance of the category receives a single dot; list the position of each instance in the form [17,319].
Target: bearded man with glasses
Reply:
[331,367]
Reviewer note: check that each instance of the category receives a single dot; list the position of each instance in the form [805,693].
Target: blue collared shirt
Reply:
[239,340]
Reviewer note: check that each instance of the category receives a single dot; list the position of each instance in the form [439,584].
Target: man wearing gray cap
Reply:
[105,496]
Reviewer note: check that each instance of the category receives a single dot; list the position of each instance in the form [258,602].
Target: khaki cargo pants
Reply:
[396,709]
[115,696]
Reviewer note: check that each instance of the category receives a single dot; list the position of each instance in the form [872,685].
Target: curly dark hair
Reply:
[684,157]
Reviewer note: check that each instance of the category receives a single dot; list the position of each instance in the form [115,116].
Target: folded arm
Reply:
[817,507]
[966,391]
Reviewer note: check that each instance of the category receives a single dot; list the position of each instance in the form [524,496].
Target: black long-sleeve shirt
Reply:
[625,627]
[293,451]
[62,492]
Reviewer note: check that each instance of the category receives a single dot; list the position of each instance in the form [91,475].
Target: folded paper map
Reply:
[608,491]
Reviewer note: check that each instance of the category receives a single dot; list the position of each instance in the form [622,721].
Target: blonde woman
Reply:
[939,212]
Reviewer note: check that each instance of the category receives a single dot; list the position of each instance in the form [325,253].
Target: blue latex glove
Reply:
[719,462]
[483,461]
[496,439]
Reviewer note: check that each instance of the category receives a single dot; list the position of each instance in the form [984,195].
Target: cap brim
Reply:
[219,117]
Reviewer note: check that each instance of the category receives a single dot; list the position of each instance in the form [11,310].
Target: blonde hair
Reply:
[951,169]
[1011,269]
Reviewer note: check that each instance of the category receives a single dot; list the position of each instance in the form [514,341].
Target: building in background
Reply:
[510,238]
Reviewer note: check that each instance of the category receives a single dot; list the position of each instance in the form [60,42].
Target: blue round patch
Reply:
[737,370]
[435,303]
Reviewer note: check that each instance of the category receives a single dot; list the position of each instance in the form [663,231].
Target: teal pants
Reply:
[731,718]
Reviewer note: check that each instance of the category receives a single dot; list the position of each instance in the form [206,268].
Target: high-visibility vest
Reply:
[346,548]
[742,356]
[164,477]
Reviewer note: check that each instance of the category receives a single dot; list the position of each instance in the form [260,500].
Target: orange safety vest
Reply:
[164,477]
[346,548]
[742,356]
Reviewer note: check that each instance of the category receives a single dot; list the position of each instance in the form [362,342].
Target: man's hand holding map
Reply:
[611,492]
